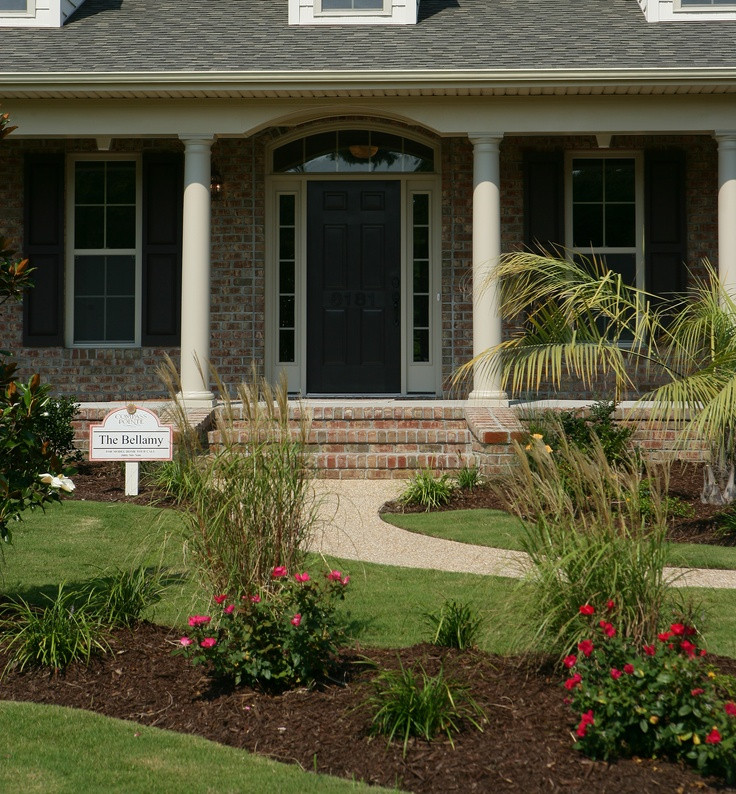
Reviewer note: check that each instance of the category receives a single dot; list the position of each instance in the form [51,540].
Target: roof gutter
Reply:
[153,83]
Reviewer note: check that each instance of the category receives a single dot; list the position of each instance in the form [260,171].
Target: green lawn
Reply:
[52,750]
[502,531]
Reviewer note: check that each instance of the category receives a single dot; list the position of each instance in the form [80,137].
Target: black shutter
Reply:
[544,207]
[43,244]
[163,196]
[665,226]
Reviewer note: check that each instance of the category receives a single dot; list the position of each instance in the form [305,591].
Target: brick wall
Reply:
[238,291]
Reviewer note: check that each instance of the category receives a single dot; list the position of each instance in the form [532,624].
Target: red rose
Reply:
[571,683]
[629,669]
[615,674]
[587,718]
[678,629]
[610,604]
[587,609]
[664,636]
[586,648]
[697,691]
[569,661]
[650,650]
[688,648]
[730,708]
[220,598]
[713,737]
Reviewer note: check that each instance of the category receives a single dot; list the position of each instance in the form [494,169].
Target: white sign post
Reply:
[131,434]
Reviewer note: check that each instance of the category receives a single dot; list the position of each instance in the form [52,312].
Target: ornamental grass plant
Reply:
[248,504]
[586,531]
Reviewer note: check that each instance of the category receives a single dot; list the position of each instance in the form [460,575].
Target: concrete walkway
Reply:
[350,527]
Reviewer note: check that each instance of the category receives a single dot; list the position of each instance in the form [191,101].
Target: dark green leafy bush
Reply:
[285,636]
[658,699]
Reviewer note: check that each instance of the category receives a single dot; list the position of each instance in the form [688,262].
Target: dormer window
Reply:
[353,12]
[349,6]
[23,7]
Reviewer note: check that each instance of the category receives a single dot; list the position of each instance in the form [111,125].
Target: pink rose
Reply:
[185,641]
[220,598]
[199,620]
[301,577]
[256,599]
[229,609]
[208,642]
[697,691]
[615,674]
[345,580]
[334,576]
[279,571]
[296,620]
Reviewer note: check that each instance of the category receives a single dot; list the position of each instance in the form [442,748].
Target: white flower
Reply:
[57,482]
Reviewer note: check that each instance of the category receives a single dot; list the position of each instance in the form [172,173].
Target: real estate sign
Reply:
[130,434]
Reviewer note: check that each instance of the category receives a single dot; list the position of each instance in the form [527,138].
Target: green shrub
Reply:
[248,505]
[120,598]
[54,426]
[585,533]
[454,625]
[656,699]
[53,636]
[469,477]
[284,636]
[584,430]
[428,490]
[408,702]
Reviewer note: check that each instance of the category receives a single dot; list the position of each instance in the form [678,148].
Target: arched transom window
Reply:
[353,151]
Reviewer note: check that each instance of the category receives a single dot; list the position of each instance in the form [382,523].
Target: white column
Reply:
[486,251]
[195,273]
[727,210]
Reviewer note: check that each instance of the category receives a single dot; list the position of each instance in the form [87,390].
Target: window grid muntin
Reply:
[331,147]
[421,305]
[286,258]
[107,253]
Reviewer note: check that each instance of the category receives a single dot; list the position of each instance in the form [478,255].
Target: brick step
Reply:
[347,436]
[388,465]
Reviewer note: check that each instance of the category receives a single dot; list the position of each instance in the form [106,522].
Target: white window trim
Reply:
[30,11]
[353,12]
[638,248]
[71,251]
[416,378]
[702,6]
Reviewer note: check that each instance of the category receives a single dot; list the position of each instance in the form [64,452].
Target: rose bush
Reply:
[285,636]
[659,699]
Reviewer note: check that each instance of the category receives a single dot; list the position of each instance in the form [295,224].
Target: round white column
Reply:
[486,251]
[195,273]
[727,210]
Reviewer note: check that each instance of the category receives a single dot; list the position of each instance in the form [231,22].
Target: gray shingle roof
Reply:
[253,35]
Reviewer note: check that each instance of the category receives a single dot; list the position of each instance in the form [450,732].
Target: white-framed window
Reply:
[604,215]
[104,257]
[362,7]
[695,4]
[17,7]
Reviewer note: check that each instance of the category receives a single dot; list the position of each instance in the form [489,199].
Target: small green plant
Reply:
[469,477]
[284,636]
[454,625]
[726,523]
[120,598]
[673,506]
[428,490]
[651,699]
[409,702]
[52,636]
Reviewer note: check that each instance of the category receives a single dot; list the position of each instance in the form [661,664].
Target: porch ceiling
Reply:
[379,83]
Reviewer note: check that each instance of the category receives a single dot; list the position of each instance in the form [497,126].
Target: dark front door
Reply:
[354,287]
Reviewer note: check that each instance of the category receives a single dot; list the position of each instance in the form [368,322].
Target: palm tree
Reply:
[580,319]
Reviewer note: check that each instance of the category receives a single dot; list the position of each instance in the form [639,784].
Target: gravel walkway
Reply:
[351,528]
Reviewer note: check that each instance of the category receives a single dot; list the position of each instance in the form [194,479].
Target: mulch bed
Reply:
[526,745]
